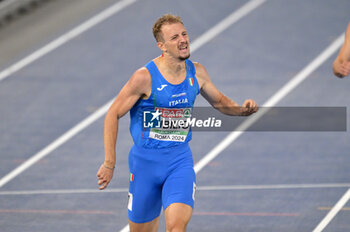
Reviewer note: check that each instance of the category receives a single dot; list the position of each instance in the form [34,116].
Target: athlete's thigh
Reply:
[179,187]
[145,191]
[144,202]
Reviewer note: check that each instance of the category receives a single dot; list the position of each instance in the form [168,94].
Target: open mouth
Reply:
[183,47]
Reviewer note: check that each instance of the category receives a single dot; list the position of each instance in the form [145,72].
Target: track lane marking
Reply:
[272,101]
[110,11]
[285,90]
[246,214]
[334,211]
[330,208]
[46,211]
[199,188]
[104,212]
[226,23]
[55,144]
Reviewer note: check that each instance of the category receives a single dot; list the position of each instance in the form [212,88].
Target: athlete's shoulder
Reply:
[141,80]
[197,64]
[141,76]
[201,71]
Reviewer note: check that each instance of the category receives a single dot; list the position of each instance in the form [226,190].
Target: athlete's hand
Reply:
[343,69]
[104,176]
[249,107]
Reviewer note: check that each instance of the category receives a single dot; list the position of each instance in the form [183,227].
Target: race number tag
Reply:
[174,124]
[130,201]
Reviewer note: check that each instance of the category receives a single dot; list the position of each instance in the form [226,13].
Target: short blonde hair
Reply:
[165,19]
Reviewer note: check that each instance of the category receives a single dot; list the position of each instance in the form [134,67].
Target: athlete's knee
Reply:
[176,226]
[177,217]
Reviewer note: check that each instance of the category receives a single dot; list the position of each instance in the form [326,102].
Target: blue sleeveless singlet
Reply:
[172,102]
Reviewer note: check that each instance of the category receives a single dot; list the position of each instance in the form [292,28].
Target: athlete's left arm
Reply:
[218,100]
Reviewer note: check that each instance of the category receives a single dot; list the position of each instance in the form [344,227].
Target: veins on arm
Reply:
[216,98]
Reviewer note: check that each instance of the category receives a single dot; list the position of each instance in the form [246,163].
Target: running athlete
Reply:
[160,161]
[341,65]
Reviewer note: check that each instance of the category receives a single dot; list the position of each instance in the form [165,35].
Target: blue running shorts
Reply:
[159,177]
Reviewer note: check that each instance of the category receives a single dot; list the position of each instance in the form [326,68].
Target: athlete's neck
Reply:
[173,67]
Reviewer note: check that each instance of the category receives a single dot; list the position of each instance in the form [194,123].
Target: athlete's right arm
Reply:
[138,86]
[341,65]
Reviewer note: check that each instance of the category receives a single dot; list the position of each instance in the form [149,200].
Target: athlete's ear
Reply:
[161,46]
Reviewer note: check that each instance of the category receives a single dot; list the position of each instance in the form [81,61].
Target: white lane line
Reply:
[55,144]
[64,191]
[199,188]
[226,23]
[272,101]
[66,37]
[43,51]
[125,229]
[272,187]
[216,30]
[329,217]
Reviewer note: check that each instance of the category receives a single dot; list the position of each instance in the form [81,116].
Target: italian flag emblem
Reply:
[132,177]
[191,81]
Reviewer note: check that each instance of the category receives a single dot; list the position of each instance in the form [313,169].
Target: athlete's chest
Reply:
[181,95]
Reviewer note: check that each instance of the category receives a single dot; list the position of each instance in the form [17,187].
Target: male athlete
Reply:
[341,65]
[160,161]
